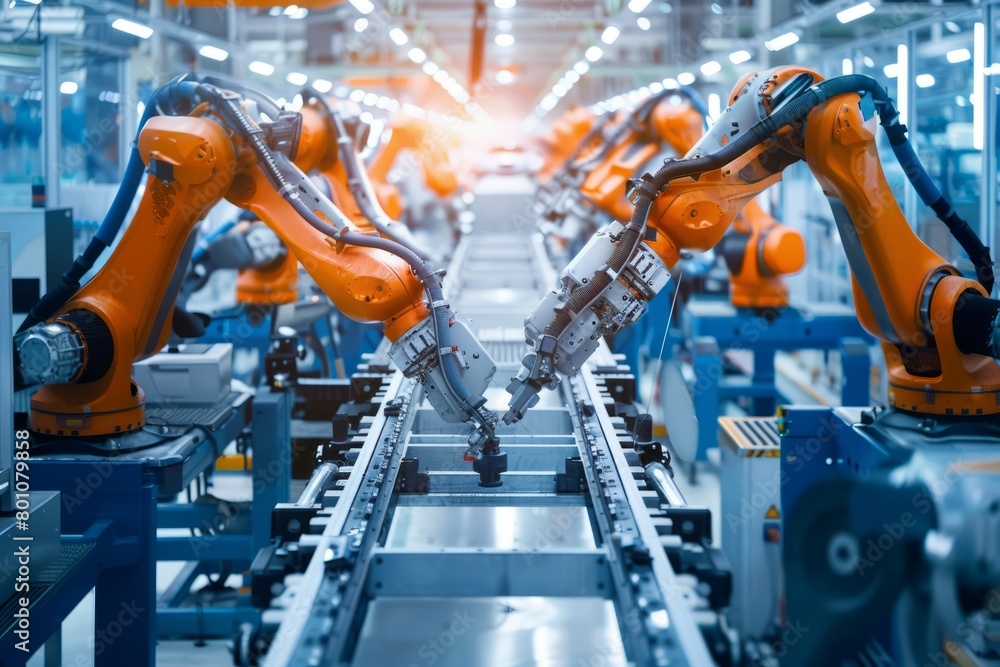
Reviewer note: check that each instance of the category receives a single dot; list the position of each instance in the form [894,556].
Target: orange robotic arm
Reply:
[563,139]
[431,154]
[84,353]
[938,329]
[327,145]
[758,251]
[656,123]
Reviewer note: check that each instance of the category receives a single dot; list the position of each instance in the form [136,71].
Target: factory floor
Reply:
[78,628]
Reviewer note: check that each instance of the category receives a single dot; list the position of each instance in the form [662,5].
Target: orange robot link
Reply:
[678,126]
[269,287]
[759,250]
[366,284]
[940,332]
[905,293]
[191,164]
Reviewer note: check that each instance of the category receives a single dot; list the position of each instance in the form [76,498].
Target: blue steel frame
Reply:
[715,331]
[110,511]
[271,437]
[108,507]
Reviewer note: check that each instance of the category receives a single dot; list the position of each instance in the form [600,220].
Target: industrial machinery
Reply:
[329,145]
[416,178]
[429,147]
[939,332]
[587,552]
[563,139]
[758,252]
[82,342]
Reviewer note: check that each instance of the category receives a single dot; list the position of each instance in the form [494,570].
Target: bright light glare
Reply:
[581,68]
[213,52]
[714,105]
[322,85]
[670,83]
[132,28]
[571,76]
[847,66]
[636,6]
[430,68]
[68,87]
[594,53]
[891,70]
[610,34]
[741,56]
[505,4]
[296,78]
[505,77]
[924,80]
[684,78]
[711,67]
[261,67]
[559,91]
[397,35]
[504,39]
[782,41]
[416,55]
[855,12]
[363,6]
[959,56]
[361,24]
[549,102]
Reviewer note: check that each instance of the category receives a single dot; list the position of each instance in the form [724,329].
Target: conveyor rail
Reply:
[516,575]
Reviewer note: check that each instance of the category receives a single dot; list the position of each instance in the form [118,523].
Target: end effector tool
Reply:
[564,348]
[456,393]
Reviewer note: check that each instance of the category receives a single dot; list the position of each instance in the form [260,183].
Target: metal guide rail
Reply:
[572,561]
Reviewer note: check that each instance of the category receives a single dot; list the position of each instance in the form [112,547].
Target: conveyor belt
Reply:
[531,573]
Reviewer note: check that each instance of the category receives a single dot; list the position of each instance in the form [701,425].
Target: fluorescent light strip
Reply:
[978,86]
[213,52]
[782,41]
[363,6]
[261,67]
[958,56]
[398,36]
[738,57]
[855,12]
[132,28]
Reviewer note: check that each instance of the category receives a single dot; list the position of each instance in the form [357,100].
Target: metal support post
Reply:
[51,120]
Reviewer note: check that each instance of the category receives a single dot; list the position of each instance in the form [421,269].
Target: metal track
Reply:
[518,575]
